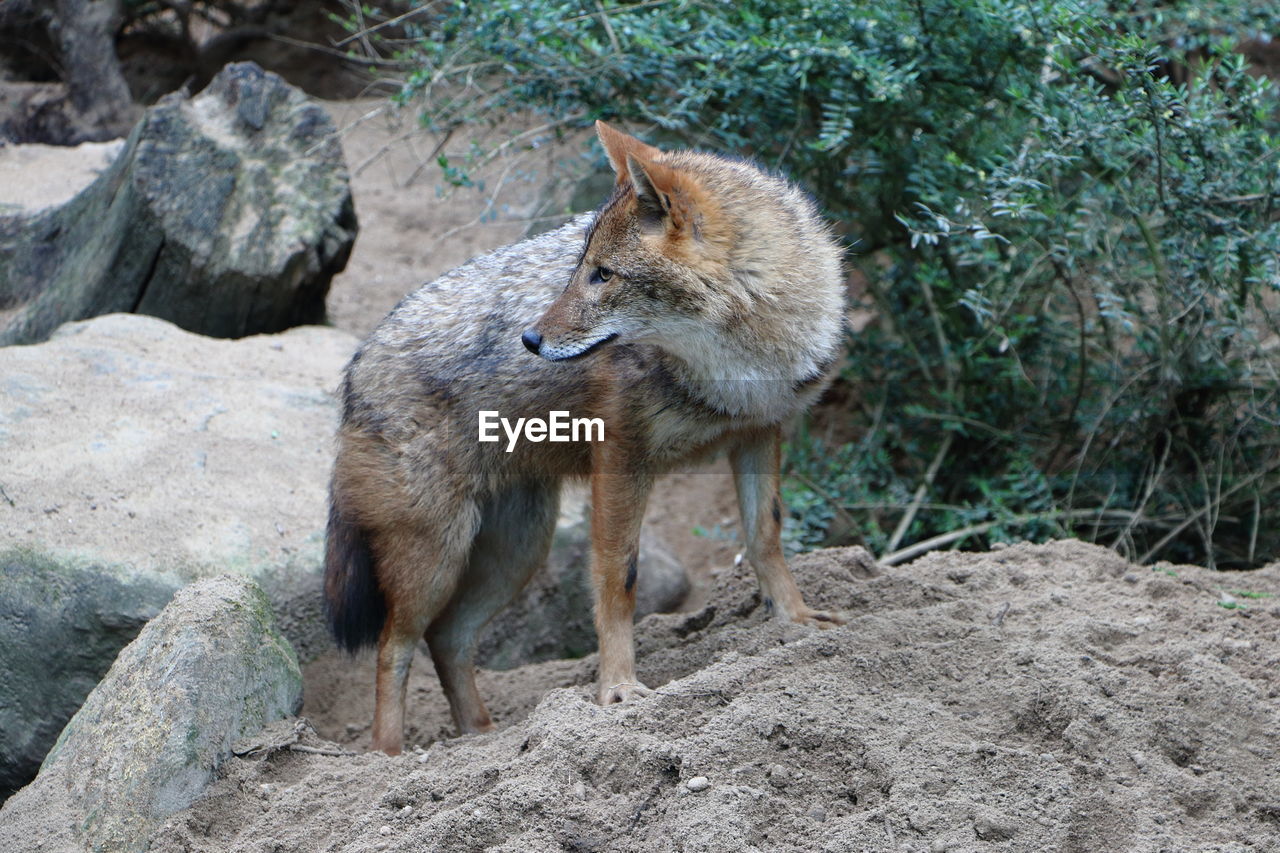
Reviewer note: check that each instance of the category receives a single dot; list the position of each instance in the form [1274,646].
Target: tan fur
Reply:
[717,318]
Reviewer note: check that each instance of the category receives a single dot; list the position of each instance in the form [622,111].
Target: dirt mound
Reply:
[1033,698]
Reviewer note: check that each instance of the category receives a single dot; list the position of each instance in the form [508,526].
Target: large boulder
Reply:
[227,213]
[61,625]
[137,458]
[209,670]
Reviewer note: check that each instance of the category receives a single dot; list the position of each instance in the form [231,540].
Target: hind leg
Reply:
[515,535]
[418,571]
[756,462]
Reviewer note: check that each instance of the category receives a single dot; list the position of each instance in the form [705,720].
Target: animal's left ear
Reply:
[667,199]
[618,146]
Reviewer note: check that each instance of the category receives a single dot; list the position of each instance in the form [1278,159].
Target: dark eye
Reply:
[601,274]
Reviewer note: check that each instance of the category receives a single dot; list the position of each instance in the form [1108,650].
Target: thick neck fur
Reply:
[780,320]
[740,381]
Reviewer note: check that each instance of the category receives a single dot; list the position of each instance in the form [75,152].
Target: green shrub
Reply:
[1067,215]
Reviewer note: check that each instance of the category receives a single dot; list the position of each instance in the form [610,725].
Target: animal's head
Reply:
[656,262]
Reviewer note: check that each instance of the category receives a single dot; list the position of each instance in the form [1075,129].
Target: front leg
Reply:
[756,462]
[619,490]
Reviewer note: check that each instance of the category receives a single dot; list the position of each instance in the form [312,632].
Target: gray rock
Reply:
[137,458]
[552,619]
[45,603]
[991,825]
[210,669]
[227,214]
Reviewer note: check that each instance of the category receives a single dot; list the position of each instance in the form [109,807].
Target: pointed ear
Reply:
[618,146]
[667,199]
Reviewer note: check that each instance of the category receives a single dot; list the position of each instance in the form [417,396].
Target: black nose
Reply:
[532,340]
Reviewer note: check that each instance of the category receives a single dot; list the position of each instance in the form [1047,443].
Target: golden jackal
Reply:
[702,311]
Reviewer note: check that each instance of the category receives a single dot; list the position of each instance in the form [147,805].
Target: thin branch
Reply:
[1155,123]
[831,500]
[316,750]
[388,23]
[618,9]
[489,204]
[397,65]
[1247,481]
[950,417]
[1242,199]
[1253,530]
[1157,474]
[608,28]
[963,533]
[921,490]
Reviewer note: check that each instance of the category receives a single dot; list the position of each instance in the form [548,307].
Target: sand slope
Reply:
[1033,698]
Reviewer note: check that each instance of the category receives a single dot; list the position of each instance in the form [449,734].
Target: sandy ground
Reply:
[33,177]
[1036,698]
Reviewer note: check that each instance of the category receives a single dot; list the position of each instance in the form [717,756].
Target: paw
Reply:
[477,726]
[611,694]
[818,618]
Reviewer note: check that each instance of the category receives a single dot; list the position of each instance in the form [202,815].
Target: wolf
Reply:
[696,312]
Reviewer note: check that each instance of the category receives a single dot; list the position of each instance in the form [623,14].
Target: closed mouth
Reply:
[590,349]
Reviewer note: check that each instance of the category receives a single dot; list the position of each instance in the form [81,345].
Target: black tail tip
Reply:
[354,603]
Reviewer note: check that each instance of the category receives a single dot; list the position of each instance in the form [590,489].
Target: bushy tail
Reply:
[354,603]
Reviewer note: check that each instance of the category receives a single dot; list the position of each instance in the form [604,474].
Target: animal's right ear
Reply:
[619,146]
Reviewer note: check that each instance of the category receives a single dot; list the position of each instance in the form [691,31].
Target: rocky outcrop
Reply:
[227,213]
[137,458]
[209,670]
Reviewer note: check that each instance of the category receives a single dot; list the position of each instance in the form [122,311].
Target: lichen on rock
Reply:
[209,670]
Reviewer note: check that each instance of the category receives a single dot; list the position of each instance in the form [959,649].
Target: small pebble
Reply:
[995,546]
[580,790]
[818,815]
[406,811]
[778,776]
[941,845]
[698,783]
[992,826]
[424,758]
[384,830]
